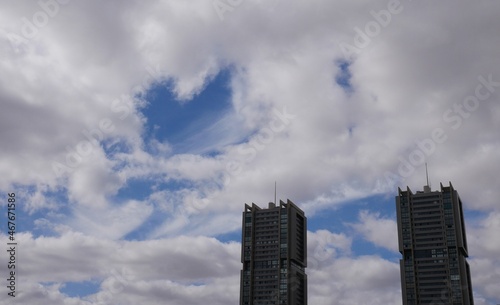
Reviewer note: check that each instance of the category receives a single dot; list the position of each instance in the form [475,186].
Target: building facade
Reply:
[274,255]
[432,241]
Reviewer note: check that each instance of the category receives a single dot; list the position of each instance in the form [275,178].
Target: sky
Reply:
[132,133]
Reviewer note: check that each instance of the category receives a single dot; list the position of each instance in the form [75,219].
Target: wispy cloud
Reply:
[77,139]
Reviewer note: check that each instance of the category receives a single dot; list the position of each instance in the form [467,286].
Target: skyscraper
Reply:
[432,240]
[274,255]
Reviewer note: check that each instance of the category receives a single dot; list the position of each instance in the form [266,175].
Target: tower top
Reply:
[427,188]
[275,192]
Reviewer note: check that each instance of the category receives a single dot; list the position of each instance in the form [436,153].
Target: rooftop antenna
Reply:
[427,188]
[272,205]
[275,192]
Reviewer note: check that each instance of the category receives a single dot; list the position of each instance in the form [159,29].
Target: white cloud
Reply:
[355,280]
[482,237]
[336,149]
[113,222]
[484,250]
[324,246]
[185,269]
[86,65]
[130,272]
[380,231]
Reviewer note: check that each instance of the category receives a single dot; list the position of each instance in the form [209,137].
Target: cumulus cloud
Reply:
[483,252]
[185,269]
[338,156]
[323,246]
[379,230]
[73,87]
[192,265]
[353,281]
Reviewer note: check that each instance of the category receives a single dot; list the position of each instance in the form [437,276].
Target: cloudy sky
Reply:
[133,132]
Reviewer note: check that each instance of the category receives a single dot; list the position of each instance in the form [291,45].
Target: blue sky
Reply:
[177,121]
[199,110]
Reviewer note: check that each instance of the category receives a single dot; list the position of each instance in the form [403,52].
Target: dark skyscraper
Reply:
[274,255]
[432,240]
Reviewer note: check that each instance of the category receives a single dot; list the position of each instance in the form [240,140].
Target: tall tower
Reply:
[432,240]
[274,255]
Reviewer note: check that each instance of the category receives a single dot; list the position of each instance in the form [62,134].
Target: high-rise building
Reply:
[274,255]
[432,241]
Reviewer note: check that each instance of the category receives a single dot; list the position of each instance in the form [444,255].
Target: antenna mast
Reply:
[427,174]
[274,192]
[427,188]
